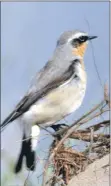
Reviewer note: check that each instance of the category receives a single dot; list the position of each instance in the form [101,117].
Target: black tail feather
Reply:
[30,161]
[28,153]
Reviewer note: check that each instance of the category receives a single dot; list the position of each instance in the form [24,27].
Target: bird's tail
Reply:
[28,150]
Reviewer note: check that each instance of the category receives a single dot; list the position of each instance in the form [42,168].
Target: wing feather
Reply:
[35,94]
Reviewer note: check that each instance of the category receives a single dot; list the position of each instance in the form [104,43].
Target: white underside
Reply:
[35,135]
[57,104]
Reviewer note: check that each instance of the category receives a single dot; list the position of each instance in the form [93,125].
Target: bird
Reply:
[56,91]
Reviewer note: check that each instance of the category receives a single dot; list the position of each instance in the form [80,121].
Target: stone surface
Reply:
[96,174]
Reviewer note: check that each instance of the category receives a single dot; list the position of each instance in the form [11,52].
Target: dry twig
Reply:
[65,158]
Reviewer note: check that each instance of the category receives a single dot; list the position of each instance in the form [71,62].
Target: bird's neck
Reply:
[82,64]
[81,71]
[80,50]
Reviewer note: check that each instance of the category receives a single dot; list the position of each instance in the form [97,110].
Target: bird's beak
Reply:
[92,37]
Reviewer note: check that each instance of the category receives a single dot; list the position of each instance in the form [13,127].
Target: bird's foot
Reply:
[59,128]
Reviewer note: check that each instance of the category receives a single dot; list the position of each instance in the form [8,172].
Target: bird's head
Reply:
[76,41]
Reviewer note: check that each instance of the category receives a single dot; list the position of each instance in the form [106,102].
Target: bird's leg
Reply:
[58,128]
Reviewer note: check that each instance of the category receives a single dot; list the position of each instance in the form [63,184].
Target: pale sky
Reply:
[29,32]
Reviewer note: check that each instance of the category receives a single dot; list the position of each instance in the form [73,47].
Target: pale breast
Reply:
[59,102]
[67,98]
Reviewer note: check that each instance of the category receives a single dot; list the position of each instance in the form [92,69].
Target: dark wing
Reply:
[16,113]
[34,95]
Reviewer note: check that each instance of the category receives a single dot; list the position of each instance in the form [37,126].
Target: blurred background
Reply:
[29,32]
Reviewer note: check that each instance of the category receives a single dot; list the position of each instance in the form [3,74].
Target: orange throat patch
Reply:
[80,50]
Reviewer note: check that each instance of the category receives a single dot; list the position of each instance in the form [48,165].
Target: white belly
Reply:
[57,104]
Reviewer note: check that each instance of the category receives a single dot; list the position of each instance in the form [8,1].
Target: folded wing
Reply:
[48,79]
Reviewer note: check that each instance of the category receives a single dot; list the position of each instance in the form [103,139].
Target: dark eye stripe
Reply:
[83,38]
[77,41]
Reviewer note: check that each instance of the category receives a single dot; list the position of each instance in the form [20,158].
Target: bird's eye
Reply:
[83,38]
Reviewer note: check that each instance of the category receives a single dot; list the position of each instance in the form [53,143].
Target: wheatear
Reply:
[57,91]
